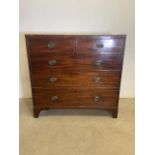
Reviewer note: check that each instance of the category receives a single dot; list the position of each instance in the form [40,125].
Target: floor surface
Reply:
[77,132]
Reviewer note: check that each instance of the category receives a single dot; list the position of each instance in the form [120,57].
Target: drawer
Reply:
[87,47]
[74,98]
[55,47]
[100,63]
[52,79]
[48,62]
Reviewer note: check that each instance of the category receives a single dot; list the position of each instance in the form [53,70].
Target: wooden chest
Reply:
[75,71]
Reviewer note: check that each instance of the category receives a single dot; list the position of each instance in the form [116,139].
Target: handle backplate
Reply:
[99,62]
[54,98]
[52,62]
[97,98]
[99,45]
[97,79]
[53,79]
[51,44]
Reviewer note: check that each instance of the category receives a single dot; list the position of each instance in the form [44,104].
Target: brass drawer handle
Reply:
[54,98]
[53,79]
[52,62]
[97,98]
[51,45]
[99,45]
[99,62]
[97,79]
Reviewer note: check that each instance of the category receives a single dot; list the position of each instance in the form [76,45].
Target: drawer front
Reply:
[74,98]
[48,62]
[52,79]
[102,62]
[55,47]
[87,47]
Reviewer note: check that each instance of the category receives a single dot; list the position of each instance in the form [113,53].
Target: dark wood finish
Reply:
[60,47]
[49,79]
[115,113]
[87,47]
[75,71]
[72,97]
[40,62]
[36,112]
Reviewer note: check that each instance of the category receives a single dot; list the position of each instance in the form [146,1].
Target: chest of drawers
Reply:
[75,71]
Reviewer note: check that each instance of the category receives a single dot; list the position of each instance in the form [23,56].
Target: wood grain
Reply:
[91,47]
[74,97]
[75,71]
[53,79]
[107,62]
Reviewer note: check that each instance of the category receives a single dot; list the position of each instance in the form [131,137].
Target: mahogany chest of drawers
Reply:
[75,71]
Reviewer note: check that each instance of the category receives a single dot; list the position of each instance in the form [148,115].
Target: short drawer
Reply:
[102,62]
[74,98]
[53,79]
[48,62]
[55,47]
[87,47]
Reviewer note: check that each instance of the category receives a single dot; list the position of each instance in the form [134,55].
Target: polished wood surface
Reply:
[104,62]
[61,47]
[88,47]
[71,97]
[53,79]
[75,71]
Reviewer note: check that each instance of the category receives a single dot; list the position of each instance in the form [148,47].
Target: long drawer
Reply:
[53,79]
[48,61]
[74,98]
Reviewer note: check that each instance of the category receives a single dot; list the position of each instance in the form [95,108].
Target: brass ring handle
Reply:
[99,45]
[52,62]
[99,62]
[51,44]
[97,98]
[53,79]
[97,79]
[54,98]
